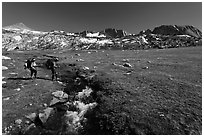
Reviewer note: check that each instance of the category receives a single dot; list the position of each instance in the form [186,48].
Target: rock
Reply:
[128,73]
[45,115]
[60,94]
[27,122]
[77,80]
[127,65]
[126,60]
[18,89]
[146,67]
[3,82]
[32,116]
[161,115]
[44,105]
[18,121]
[114,64]
[61,83]
[55,101]
[30,129]
[85,68]
[80,60]
[77,54]
[171,78]
[90,77]
[6,98]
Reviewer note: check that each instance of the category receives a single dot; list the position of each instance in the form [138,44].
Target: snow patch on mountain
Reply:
[105,41]
[144,40]
[88,40]
[96,34]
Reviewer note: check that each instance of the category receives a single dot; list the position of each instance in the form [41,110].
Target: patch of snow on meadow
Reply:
[5,57]
[4,68]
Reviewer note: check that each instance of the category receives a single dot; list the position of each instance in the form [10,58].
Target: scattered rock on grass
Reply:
[18,121]
[127,65]
[32,116]
[44,105]
[45,115]
[85,68]
[18,89]
[57,100]
[61,83]
[27,122]
[126,60]
[6,98]
[80,60]
[146,67]
[60,94]
[114,64]
[30,129]
[77,54]
[54,101]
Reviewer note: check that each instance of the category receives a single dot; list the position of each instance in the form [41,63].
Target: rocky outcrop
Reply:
[114,33]
[177,30]
[146,32]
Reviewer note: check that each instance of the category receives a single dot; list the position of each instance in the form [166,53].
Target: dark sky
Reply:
[76,17]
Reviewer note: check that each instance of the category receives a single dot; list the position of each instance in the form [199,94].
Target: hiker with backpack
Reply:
[31,65]
[51,64]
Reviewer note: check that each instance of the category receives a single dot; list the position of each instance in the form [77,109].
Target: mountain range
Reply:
[21,37]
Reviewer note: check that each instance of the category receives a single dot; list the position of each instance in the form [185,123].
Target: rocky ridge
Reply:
[20,37]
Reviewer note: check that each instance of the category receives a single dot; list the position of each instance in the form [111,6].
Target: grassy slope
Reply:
[165,98]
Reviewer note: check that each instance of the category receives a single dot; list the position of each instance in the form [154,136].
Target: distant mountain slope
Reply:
[177,30]
[19,36]
[20,26]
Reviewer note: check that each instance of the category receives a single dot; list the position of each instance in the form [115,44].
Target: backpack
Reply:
[27,64]
[50,64]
